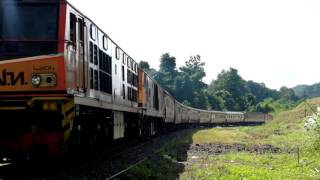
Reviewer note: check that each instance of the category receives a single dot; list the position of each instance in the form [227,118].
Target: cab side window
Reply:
[73,29]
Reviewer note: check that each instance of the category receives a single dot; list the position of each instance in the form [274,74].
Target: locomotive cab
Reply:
[32,76]
[32,46]
[28,28]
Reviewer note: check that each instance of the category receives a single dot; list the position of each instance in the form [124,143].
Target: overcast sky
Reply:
[272,41]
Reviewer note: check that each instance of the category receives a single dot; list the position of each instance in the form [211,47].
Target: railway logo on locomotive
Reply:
[9,78]
[36,74]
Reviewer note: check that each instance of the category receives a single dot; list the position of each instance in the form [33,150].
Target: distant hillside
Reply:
[307,90]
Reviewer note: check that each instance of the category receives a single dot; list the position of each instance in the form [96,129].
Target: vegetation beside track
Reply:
[299,157]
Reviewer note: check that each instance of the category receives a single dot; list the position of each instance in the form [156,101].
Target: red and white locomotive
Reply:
[64,83]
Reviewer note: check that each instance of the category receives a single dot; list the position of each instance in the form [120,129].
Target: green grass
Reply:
[284,131]
[165,164]
[161,167]
[252,166]
[221,135]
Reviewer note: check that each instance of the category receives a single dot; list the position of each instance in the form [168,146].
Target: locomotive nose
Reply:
[39,74]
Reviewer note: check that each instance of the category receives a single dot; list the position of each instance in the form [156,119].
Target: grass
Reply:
[161,167]
[251,166]
[225,135]
[284,131]
[164,165]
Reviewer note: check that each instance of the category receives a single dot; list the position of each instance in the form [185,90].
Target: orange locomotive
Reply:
[33,88]
[64,83]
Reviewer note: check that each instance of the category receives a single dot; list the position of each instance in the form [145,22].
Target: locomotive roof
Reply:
[66,1]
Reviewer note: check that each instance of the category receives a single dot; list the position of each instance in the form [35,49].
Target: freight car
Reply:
[65,83]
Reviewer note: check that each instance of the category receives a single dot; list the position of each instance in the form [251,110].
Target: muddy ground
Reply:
[218,148]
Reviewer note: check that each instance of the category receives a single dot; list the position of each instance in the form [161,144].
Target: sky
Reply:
[276,42]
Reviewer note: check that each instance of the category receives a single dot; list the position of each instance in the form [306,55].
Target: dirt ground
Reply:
[218,148]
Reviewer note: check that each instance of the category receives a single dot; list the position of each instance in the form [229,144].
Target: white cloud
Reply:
[276,42]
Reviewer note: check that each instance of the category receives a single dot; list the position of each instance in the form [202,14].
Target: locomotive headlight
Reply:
[50,79]
[44,80]
[36,80]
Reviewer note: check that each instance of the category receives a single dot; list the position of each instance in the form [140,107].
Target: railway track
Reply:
[107,163]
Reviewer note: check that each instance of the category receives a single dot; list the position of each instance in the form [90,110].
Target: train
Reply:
[65,83]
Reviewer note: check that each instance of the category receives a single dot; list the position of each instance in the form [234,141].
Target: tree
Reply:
[228,101]
[189,85]
[215,102]
[146,67]
[168,63]
[250,102]
[228,92]
[183,87]
[265,108]
[260,91]
[231,88]
[195,68]
[167,72]
[287,94]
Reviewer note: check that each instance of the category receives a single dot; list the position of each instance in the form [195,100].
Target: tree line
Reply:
[229,91]
[307,91]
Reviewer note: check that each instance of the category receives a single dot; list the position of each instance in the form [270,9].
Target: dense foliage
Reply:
[307,91]
[228,92]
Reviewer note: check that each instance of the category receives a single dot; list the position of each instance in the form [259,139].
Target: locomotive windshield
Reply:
[28,29]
